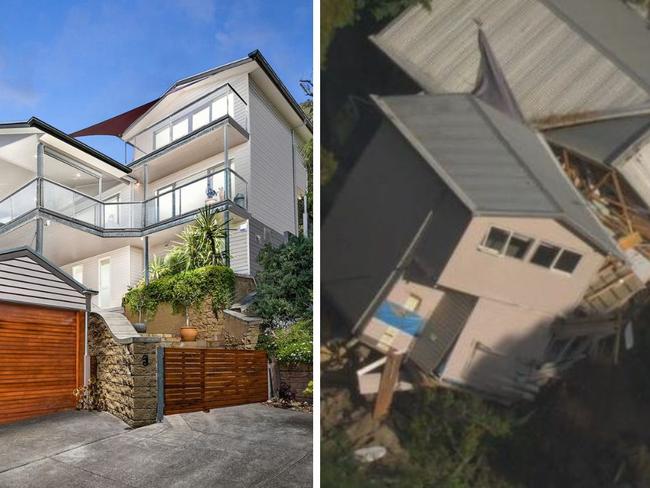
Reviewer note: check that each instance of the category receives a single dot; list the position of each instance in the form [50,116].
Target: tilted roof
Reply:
[562,58]
[603,141]
[494,164]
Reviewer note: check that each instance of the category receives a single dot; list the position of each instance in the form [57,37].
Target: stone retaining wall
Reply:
[224,330]
[123,375]
[297,377]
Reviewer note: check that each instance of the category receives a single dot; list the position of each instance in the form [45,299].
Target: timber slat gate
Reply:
[202,379]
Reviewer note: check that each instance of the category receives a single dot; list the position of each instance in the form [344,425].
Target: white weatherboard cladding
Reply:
[22,280]
[126,270]
[551,69]
[301,171]
[239,248]
[271,191]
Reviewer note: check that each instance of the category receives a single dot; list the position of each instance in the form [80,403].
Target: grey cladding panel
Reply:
[23,280]
[442,329]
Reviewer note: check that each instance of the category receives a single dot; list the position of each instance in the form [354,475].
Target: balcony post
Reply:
[146,260]
[39,236]
[226,164]
[145,183]
[40,152]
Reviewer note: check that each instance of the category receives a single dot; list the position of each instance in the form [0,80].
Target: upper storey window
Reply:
[503,242]
[194,119]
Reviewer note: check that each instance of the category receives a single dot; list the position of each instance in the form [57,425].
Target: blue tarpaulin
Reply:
[397,316]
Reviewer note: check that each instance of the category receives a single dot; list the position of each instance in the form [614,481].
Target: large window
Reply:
[506,243]
[179,127]
[503,242]
[554,257]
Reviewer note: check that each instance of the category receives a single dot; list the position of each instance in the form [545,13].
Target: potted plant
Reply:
[185,294]
[136,302]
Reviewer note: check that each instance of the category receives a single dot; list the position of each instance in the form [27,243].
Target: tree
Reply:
[284,285]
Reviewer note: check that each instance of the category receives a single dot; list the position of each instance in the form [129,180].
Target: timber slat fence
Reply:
[202,379]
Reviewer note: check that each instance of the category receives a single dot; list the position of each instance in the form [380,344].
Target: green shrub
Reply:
[284,285]
[290,345]
[183,290]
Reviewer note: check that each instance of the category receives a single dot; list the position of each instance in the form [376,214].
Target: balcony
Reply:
[208,112]
[135,216]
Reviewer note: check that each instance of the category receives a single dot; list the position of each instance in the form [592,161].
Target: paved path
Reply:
[247,446]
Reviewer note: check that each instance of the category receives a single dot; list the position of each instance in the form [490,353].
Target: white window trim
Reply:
[528,256]
[556,259]
[79,267]
[482,247]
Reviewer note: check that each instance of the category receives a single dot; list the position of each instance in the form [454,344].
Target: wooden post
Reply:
[621,198]
[387,385]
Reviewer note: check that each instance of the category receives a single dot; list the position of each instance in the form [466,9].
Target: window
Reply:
[545,255]
[496,239]
[78,273]
[504,242]
[180,128]
[161,138]
[518,246]
[568,261]
[219,108]
[553,257]
[200,118]
[412,303]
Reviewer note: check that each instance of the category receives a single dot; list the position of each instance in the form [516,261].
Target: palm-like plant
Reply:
[158,268]
[202,243]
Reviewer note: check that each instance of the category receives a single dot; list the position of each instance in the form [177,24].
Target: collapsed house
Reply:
[492,247]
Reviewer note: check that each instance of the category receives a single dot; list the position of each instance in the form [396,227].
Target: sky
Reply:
[75,63]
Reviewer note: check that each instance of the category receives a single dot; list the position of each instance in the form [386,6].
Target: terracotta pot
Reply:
[189,334]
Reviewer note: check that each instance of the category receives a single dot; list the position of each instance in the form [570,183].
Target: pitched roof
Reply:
[253,57]
[603,141]
[559,57]
[53,131]
[46,264]
[494,164]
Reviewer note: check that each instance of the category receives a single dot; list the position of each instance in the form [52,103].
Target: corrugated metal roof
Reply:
[603,141]
[442,329]
[494,164]
[553,65]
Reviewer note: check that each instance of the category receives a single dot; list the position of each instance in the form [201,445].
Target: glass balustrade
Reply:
[18,203]
[176,202]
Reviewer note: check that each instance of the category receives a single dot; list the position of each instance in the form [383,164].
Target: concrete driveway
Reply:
[247,446]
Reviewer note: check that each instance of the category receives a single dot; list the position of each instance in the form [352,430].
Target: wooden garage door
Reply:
[41,360]
[202,379]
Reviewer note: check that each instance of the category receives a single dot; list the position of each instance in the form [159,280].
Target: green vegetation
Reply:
[449,439]
[190,272]
[284,300]
[284,285]
[310,389]
[292,344]
[183,290]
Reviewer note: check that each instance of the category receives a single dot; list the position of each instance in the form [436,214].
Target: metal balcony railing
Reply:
[177,202]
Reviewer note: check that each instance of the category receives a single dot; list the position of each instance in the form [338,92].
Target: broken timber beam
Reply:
[387,385]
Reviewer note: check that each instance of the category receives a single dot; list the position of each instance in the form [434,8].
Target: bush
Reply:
[183,290]
[284,285]
[292,344]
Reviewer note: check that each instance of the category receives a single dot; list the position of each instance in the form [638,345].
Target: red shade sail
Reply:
[115,126]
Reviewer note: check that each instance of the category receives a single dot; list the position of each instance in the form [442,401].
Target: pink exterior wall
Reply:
[373,331]
[511,280]
[508,330]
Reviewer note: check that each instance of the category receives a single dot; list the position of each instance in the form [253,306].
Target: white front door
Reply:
[105,282]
